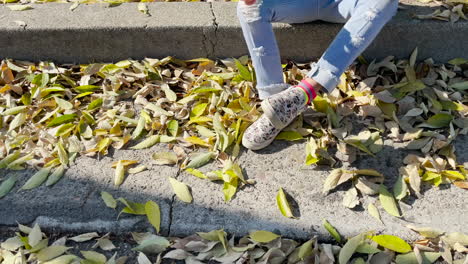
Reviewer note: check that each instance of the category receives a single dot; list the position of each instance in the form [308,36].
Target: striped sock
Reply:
[308,90]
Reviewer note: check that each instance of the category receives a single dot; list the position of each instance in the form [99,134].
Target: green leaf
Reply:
[108,200]
[400,189]
[173,127]
[200,160]
[37,179]
[306,250]
[95,104]
[154,214]
[366,248]
[359,145]
[410,258]
[63,103]
[283,204]
[65,259]
[453,175]
[132,207]
[263,236]
[14,110]
[153,245]
[86,88]
[7,185]
[55,176]
[139,128]
[62,120]
[18,121]
[51,252]
[94,257]
[243,71]
[374,212]
[196,173]
[147,143]
[462,86]
[388,202]
[62,153]
[349,248]
[458,61]
[393,243]
[119,173]
[289,136]
[181,190]
[198,110]
[215,235]
[230,188]
[9,159]
[332,231]
[439,120]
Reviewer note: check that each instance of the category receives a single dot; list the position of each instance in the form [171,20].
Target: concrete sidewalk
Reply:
[189,30]
[74,204]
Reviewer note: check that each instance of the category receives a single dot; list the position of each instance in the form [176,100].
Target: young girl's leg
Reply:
[258,33]
[365,18]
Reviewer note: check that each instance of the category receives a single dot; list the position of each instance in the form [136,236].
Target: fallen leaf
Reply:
[283,204]
[108,200]
[154,214]
[263,236]
[333,232]
[388,202]
[392,242]
[181,190]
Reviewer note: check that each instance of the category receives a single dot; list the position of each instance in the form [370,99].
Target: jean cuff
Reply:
[324,76]
[269,90]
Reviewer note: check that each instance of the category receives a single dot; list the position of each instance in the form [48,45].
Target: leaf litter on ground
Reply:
[259,246]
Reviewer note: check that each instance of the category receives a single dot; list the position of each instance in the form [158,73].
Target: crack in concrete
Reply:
[215,24]
[171,209]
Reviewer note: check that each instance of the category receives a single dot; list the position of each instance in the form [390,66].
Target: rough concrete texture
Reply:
[190,30]
[74,204]
[280,165]
[98,33]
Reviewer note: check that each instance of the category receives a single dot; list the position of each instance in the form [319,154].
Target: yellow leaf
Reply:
[453,175]
[181,190]
[197,141]
[393,243]
[119,173]
[263,236]
[283,204]
[388,202]
[125,163]
[154,214]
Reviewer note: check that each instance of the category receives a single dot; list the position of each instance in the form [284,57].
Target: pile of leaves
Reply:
[31,245]
[448,10]
[51,113]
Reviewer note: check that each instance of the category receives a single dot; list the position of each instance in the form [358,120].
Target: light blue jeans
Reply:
[363,21]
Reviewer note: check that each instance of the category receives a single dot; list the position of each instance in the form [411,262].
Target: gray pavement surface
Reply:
[189,30]
[74,203]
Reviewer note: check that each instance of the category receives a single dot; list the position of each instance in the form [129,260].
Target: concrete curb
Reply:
[189,30]
[74,204]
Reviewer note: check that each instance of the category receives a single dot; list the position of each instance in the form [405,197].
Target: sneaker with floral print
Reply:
[279,111]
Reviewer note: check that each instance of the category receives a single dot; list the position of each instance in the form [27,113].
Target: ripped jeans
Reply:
[363,21]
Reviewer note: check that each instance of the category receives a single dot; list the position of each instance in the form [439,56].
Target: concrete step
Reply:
[188,30]
[74,203]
